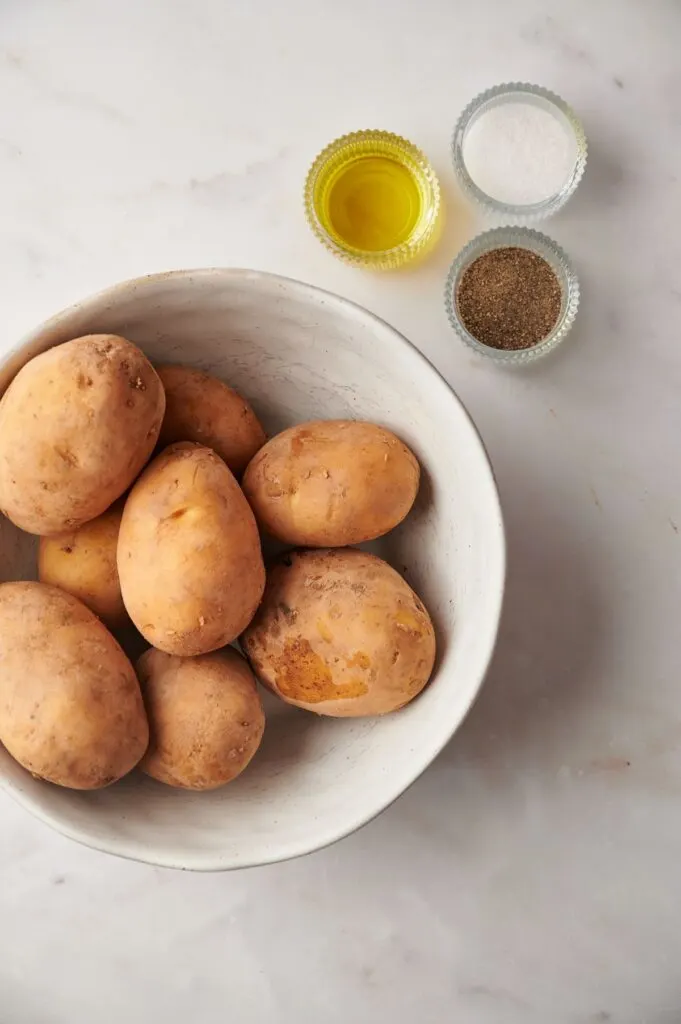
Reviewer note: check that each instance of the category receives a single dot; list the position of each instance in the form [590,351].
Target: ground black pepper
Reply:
[509,298]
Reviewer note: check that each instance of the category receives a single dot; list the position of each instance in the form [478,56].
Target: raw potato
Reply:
[189,557]
[71,710]
[205,717]
[77,424]
[331,483]
[83,563]
[339,632]
[204,409]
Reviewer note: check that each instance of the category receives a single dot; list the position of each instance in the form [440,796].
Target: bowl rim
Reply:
[212,861]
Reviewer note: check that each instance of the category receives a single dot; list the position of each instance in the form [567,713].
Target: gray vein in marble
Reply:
[85,101]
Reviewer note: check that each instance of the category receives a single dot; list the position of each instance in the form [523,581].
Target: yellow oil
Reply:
[373,203]
[373,199]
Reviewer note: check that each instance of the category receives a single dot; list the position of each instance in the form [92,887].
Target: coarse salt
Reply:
[519,153]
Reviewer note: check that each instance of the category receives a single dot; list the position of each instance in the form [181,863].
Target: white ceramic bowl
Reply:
[298,353]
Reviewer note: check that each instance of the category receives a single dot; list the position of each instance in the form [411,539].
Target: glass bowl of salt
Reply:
[519,151]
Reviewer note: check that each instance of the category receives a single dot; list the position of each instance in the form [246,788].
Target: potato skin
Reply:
[339,632]
[83,563]
[71,710]
[205,717]
[331,483]
[204,409]
[77,424]
[189,558]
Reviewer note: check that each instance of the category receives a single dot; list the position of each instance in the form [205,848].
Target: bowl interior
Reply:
[298,353]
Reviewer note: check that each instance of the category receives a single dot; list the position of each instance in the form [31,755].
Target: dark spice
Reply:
[509,298]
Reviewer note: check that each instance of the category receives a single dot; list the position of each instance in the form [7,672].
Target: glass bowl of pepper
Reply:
[512,295]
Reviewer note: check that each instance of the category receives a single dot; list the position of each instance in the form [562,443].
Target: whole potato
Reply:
[205,717]
[189,557]
[331,483]
[339,632]
[77,424]
[71,710]
[204,409]
[83,563]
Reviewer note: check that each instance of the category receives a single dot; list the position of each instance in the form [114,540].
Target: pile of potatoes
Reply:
[129,475]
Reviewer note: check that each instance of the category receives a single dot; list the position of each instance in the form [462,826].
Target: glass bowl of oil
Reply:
[373,199]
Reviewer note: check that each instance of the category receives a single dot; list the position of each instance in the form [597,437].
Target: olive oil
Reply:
[373,203]
[373,199]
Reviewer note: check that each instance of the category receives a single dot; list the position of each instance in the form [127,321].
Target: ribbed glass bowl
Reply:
[513,92]
[336,157]
[542,245]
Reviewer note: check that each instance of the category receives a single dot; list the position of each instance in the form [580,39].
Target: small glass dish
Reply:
[373,199]
[542,245]
[534,96]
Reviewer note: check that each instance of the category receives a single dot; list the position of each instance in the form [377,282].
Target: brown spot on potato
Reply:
[66,455]
[358,660]
[298,440]
[415,685]
[302,674]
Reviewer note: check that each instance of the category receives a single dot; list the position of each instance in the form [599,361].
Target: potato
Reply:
[189,557]
[71,710]
[204,409]
[83,563]
[77,424]
[331,483]
[339,632]
[205,717]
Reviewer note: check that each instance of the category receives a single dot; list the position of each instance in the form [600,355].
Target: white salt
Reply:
[519,153]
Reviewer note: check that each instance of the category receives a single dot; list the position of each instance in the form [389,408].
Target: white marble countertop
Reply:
[533,875]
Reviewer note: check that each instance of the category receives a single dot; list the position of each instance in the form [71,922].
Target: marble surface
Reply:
[533,874]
